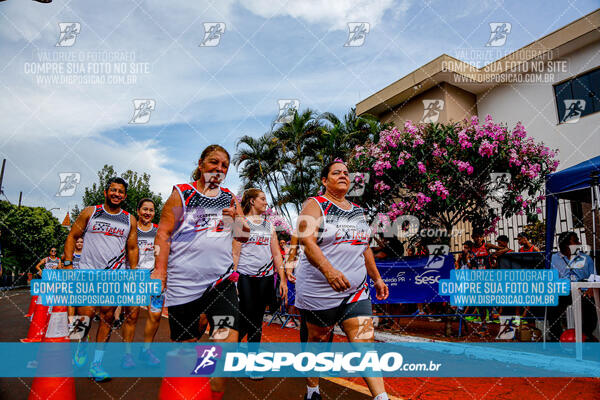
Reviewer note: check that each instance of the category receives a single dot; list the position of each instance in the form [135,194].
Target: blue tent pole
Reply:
[595,207]
[551,210]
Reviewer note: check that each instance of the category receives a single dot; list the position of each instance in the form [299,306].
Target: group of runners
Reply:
[220,264]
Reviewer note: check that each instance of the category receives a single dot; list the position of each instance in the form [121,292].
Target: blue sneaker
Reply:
[98,373]
[148,358]
[80,359]
[127,361]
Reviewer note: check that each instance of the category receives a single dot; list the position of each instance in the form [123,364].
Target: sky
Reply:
[70,108]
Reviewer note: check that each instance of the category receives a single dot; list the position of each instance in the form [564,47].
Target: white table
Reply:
[576,300]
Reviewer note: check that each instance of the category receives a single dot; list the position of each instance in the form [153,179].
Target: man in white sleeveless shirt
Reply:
[110,241]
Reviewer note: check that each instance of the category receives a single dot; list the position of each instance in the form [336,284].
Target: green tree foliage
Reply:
[286,162]
[28,233]
[139,187]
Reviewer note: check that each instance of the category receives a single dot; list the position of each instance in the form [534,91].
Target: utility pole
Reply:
[2,175]
[20,197]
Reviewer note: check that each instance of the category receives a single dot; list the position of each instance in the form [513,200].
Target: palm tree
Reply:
[288,159]
[339,138]
[256,159]
[298,140]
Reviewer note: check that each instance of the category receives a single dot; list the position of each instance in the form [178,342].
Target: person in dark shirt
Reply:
[388,247]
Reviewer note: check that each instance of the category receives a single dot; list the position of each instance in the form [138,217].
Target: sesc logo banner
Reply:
[352,362]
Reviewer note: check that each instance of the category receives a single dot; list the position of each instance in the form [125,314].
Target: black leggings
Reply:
[255,294]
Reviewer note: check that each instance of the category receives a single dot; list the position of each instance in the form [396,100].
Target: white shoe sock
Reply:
[98,354]
[310,390]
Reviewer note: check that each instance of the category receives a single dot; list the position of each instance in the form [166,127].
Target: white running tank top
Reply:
[76,259]
[201,255]
[343,237]
[51,263]
[105,240]
[256,258]
[146,247]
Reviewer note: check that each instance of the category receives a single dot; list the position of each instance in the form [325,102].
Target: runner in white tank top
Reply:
[331,273]
[195,262]
[110,242]
[258,259]
[146,232]
[146,246]
[343,238]
[105,239]
[77,253]
[76,258]
[50,262]
[201,247]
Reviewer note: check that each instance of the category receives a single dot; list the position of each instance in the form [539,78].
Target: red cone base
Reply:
[39,323]
[53,389]
[32,304]
[195,388]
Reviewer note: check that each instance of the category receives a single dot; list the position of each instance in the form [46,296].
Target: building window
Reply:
[578,97]
[577,214]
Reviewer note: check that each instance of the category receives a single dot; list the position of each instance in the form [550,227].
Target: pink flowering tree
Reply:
[279,222]
[441,173]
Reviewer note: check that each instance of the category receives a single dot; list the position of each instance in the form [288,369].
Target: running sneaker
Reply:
[255,376]
[80,359]
[127,361]
[98,373]
[315,396]
[148,358]
[290,324]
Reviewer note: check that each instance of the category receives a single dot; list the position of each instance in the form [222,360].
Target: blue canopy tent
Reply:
[579,183]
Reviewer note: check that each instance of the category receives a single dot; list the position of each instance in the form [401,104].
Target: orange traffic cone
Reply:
[187,388]
[32,304]
[39,322]
[58,325]
[56,359]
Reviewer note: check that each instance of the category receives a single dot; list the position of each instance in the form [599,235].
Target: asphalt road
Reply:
[13,326]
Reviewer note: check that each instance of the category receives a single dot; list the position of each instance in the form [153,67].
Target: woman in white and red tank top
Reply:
[259,263]
[194,254]
[50,262]
[146,232]
[331,275]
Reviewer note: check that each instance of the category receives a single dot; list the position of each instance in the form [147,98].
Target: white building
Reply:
[552,86]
